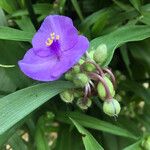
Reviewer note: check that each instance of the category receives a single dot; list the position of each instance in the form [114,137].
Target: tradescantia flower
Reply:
[56,48]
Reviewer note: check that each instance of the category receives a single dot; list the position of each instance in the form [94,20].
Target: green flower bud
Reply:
[82,105]
[68,76]
[81,61]
[89,67]
[78,94]
[100,54]
[67,96]
[101,89]
[111,107]
[146,143]
[76,69]
[80,80]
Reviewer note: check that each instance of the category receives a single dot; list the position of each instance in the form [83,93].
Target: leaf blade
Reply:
[119,37]
[18,105]
[88,140]
[94,123]
[7,33]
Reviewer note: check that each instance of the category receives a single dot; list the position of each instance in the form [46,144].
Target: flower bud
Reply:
[100,54]
[67,96]
[76,69]
[78,94]
[89,67]
[80,80]
[83,105]
[111,107]
[68,76]
[101,89]
[81,61]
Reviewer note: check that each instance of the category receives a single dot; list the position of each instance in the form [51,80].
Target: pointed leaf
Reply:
[18,105]
[89,141]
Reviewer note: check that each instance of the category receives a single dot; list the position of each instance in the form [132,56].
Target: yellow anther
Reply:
[57,37]
[52,34]
[49,42]
[52,37]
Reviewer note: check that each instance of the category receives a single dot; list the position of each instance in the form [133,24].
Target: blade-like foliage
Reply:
[25,101]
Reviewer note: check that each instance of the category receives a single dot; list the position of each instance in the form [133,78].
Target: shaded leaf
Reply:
[77,8]
[94,123]
[135,146]
[89,141]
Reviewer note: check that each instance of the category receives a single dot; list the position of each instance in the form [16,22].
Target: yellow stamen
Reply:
[52,34]
[57,37]
[52,37]
[49,42]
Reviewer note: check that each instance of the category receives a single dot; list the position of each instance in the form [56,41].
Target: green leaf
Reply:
[3,21]
[7,33]
[64,139]
[6,84]
[8,5]
[122,5]
[25,24]
[100,23]
[135,146]
[145,18]
[94,123]
[89,141]
[18,105]
[136,3]
[39,8]
[77,8]
[17,143]
[125,56]
[40,139]
[68,139]
[62,5]
[10,53]
[119,37]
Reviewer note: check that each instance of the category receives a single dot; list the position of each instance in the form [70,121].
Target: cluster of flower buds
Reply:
[92,80]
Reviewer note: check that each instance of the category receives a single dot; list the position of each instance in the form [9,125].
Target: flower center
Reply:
[51,39]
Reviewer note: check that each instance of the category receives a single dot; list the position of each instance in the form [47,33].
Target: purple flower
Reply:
[56,48]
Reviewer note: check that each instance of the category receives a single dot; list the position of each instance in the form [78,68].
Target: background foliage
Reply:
[32,116]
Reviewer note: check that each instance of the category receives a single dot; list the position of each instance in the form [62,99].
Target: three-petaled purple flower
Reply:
[56,48]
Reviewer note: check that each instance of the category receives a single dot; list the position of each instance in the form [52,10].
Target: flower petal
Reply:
[71,57]
[60,25]
[37,68]
[51,68]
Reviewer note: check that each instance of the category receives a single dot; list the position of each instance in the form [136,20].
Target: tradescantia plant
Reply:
[62,84]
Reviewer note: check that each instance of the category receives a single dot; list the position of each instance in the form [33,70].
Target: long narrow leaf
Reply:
[18,105]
